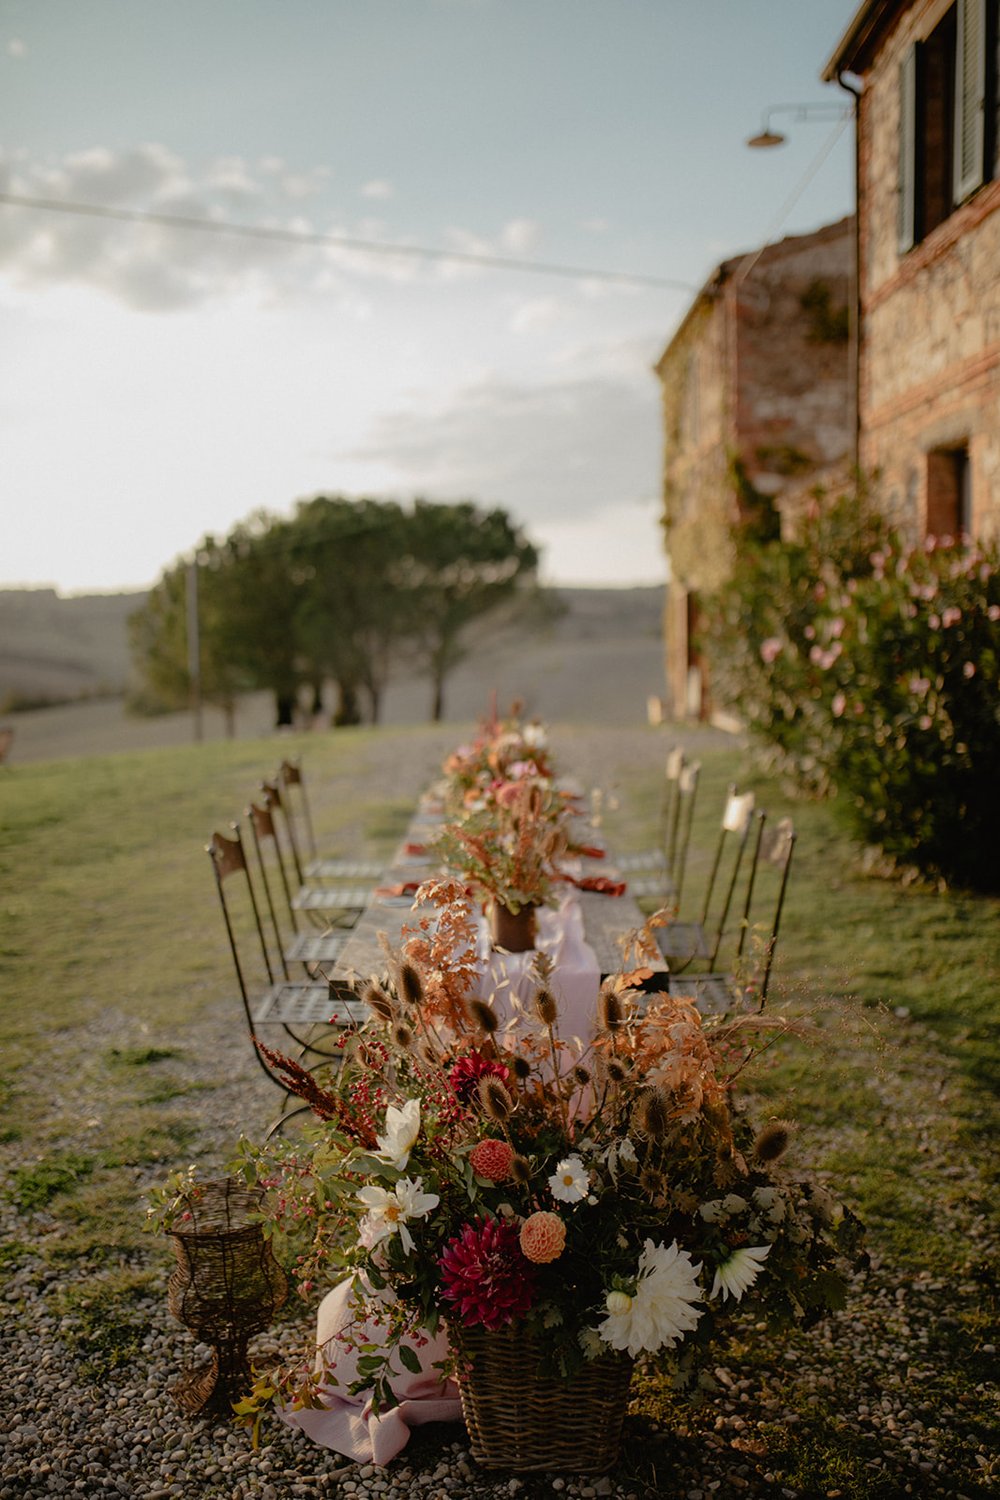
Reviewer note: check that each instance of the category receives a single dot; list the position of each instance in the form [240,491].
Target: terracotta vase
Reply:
[513,930]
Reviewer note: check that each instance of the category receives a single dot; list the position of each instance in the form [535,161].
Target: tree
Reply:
[160,644]
[459,563]
[350,618]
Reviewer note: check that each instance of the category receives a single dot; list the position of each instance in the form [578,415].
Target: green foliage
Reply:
[104,1318]
[873,669]
[828,324]
[35,1186]
[336,593]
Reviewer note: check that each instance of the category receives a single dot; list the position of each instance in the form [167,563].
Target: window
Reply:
[948,117]
[949,493]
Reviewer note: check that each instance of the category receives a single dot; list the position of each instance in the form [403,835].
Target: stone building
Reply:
[757,401]
[926,72]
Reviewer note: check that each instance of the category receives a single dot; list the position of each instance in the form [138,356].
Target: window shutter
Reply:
[907,200]
[970,96]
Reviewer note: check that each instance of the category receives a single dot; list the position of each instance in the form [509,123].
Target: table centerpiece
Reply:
[561,1213]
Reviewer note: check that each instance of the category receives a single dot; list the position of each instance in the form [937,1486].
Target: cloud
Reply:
[16,48]
[151,266]
[377,188]
[519,236]
[573,448]
[536,315]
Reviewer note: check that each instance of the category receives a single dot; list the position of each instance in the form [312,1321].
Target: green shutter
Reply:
[970,97]
[907,200]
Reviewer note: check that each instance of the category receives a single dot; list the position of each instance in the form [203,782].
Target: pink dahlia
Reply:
[465,1073]
[492,1159]
[543,1237]
[485,1276]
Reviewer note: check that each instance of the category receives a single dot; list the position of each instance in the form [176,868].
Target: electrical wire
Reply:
[340,241]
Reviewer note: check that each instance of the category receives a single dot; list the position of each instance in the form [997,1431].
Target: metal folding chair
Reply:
[339,904]
[698,942]
[657,858]
[291,780]
[668,887]
[746,982]
[298,1007]
[312,948]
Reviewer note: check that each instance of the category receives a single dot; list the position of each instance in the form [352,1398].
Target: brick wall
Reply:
[930,357]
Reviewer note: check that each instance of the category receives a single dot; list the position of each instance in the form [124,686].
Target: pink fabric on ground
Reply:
[348,1424]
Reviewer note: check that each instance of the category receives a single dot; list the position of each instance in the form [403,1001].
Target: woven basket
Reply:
[520,1418]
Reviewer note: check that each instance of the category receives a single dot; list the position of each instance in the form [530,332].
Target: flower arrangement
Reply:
[613,1200]
[508,850]
[503,751]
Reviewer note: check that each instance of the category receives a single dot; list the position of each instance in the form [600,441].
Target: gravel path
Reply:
[880,1373]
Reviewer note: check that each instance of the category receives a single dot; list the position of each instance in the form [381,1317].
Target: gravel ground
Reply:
[880,1374]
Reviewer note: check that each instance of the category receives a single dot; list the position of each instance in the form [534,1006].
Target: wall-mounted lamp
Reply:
[800,113]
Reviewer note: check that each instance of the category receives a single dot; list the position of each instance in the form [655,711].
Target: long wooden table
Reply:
[606,919]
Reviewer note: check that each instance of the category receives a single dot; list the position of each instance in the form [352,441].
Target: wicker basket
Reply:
[520,1418]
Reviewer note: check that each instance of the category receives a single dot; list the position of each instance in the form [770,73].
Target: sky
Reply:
[160,383]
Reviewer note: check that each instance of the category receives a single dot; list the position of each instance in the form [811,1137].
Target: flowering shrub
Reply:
[878,676]
[613,1199]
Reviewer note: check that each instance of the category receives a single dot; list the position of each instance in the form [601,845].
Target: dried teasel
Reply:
[616,1070]
[773,1141]
[652,1115]
[651,1182]
[377,1000]
[581,1075]
[402,1035]
[610,1014]
[546,1007]
[495,1099]
[482,1015]
[411,986]
[520,1066]
[520,1171]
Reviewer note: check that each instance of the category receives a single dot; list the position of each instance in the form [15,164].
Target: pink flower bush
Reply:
[486,1276]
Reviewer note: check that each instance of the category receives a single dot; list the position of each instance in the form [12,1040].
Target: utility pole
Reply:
[194,646]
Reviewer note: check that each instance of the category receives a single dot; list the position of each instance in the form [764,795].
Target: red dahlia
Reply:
[486,1276]
[465,1073]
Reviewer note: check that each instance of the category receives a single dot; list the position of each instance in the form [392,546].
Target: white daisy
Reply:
[402,1126]
[570,1181]
[389,1212]
[739,1271]
[662,1310]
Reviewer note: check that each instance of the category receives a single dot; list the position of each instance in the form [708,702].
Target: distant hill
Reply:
[54,649]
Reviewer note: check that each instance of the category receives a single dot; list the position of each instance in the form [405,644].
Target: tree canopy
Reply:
[338,593]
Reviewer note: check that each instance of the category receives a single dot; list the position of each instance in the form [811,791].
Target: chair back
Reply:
[275,800]
[290,774]
[776,857]
[677,847]
[734,835]
[229,860]
[268,851]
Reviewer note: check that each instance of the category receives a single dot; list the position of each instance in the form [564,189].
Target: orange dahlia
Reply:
[543,1237]
[492,1159]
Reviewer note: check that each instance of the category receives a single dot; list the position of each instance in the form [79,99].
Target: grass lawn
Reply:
[122,1055]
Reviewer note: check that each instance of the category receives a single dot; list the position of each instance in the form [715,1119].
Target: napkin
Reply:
[599,883]
[401,888]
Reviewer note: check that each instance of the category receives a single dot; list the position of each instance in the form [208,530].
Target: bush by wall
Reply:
[873,670]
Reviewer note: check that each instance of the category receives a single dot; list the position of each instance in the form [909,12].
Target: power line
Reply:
[341,241]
